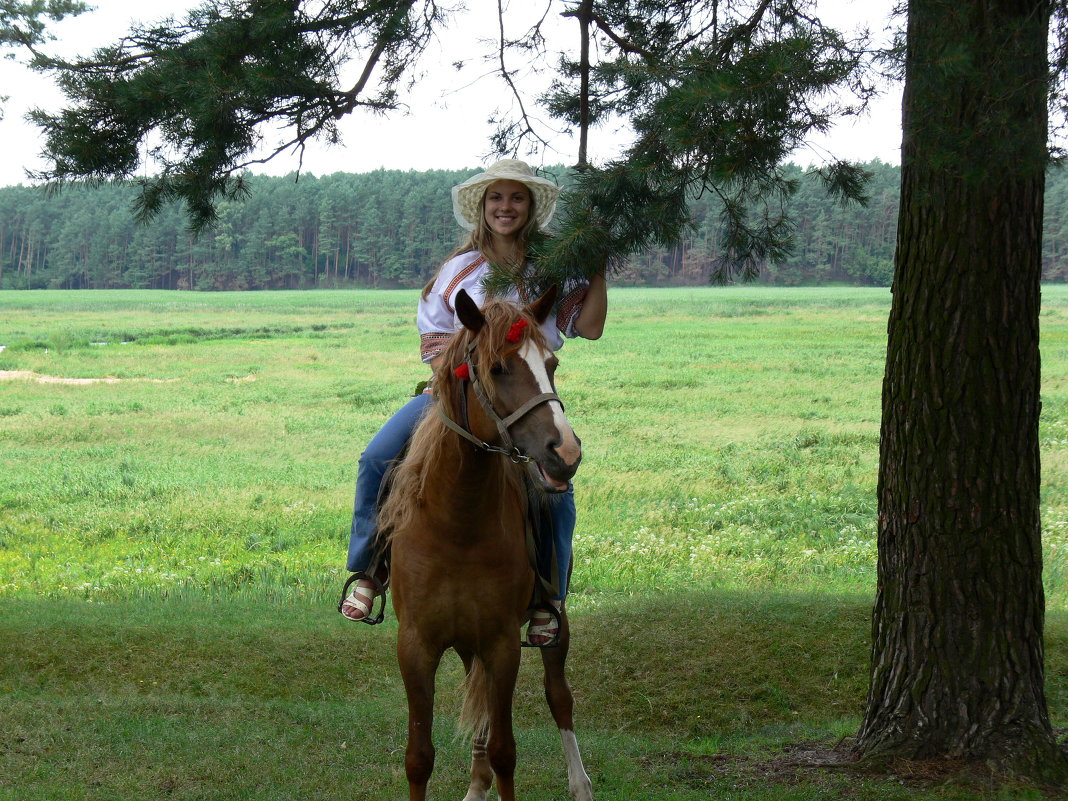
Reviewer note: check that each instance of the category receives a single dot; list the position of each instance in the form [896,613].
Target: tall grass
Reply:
[731,438]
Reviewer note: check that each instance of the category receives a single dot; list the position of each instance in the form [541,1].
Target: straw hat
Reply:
[467,197]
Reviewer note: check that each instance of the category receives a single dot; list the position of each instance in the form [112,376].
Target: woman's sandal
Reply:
[358,604]
[544,628]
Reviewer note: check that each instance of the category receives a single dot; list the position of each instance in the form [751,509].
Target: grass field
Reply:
[171,543]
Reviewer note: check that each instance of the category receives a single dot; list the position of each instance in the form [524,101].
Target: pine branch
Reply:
[206,88]
[619,41]
[585,14]
[505,139]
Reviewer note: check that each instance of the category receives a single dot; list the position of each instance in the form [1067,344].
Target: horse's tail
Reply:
[474,715]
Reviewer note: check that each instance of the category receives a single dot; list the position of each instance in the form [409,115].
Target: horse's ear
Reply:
[468,312]
[540,308]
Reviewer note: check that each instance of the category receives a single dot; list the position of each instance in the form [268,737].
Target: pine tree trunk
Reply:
[22,249]
[957,643]
[348,254]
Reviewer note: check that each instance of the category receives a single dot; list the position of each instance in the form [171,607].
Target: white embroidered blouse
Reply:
[437,320]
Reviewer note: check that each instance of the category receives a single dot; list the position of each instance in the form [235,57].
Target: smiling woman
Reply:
[507,207]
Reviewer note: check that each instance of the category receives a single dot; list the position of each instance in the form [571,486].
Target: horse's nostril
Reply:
[569,455]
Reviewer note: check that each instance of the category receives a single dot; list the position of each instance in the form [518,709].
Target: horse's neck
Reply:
[475,490]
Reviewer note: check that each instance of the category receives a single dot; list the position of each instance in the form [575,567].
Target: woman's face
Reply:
[507,208]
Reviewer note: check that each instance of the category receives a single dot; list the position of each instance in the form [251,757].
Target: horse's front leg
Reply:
[562,705]
[418,664]
[502,667]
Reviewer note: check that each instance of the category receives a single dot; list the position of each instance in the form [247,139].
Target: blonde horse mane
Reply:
[432,443]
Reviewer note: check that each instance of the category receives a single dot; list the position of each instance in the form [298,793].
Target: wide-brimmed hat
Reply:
[467,197]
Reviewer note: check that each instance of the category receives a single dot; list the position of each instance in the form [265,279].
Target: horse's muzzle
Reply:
[556,471]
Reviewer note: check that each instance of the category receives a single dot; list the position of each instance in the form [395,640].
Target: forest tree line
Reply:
[392,228]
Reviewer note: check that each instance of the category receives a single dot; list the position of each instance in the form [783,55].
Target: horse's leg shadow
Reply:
[562,705]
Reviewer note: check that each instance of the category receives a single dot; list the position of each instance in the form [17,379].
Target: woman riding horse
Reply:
[457,517]
[501,208]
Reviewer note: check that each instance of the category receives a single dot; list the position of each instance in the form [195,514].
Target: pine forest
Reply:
[392,228]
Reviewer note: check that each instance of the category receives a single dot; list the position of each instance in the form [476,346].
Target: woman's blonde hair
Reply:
[481,239]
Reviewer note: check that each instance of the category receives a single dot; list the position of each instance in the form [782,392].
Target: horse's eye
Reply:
[497,369]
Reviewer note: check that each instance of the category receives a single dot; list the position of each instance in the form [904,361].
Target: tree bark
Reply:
[957,641]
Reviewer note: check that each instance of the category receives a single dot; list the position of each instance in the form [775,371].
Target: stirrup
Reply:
[555,617]
[380,593]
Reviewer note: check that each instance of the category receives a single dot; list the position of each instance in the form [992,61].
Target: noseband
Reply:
[503,424]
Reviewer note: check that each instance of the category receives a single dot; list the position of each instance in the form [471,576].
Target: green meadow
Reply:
[176,475]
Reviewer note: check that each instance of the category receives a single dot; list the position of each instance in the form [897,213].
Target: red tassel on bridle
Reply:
[516,331]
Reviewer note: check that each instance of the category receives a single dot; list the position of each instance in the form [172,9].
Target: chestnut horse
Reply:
[460,568]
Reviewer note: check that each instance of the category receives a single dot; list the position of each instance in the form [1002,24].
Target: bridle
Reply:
[548,586]
[503,424]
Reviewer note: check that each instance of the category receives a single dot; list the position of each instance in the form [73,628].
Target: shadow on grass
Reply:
[233,700]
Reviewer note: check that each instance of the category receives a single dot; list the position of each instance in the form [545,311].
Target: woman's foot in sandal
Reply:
[544,626]
[357,605]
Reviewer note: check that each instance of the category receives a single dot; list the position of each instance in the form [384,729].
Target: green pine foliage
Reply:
[393,228]
[25,24]
[199,95]
[719,95]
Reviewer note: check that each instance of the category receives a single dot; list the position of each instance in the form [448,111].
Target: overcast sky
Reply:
[446,122]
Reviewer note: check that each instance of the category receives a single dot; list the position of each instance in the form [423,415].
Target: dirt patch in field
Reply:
[29,375]
[834,770]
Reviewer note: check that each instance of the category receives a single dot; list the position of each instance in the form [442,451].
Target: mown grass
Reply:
[171,544]
[227,700]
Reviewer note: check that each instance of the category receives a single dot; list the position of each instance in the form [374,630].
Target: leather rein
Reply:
[503,424]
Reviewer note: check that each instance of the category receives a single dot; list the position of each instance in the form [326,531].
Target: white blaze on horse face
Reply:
[569,449]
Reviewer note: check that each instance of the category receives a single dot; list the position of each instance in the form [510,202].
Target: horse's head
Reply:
[511,398]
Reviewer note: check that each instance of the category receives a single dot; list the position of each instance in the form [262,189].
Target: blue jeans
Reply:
[384,447]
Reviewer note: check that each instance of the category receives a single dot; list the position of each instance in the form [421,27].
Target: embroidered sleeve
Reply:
[435,321]
[567,311]
[432,344]
[436,318]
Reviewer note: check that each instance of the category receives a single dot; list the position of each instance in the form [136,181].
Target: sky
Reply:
[445,125]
